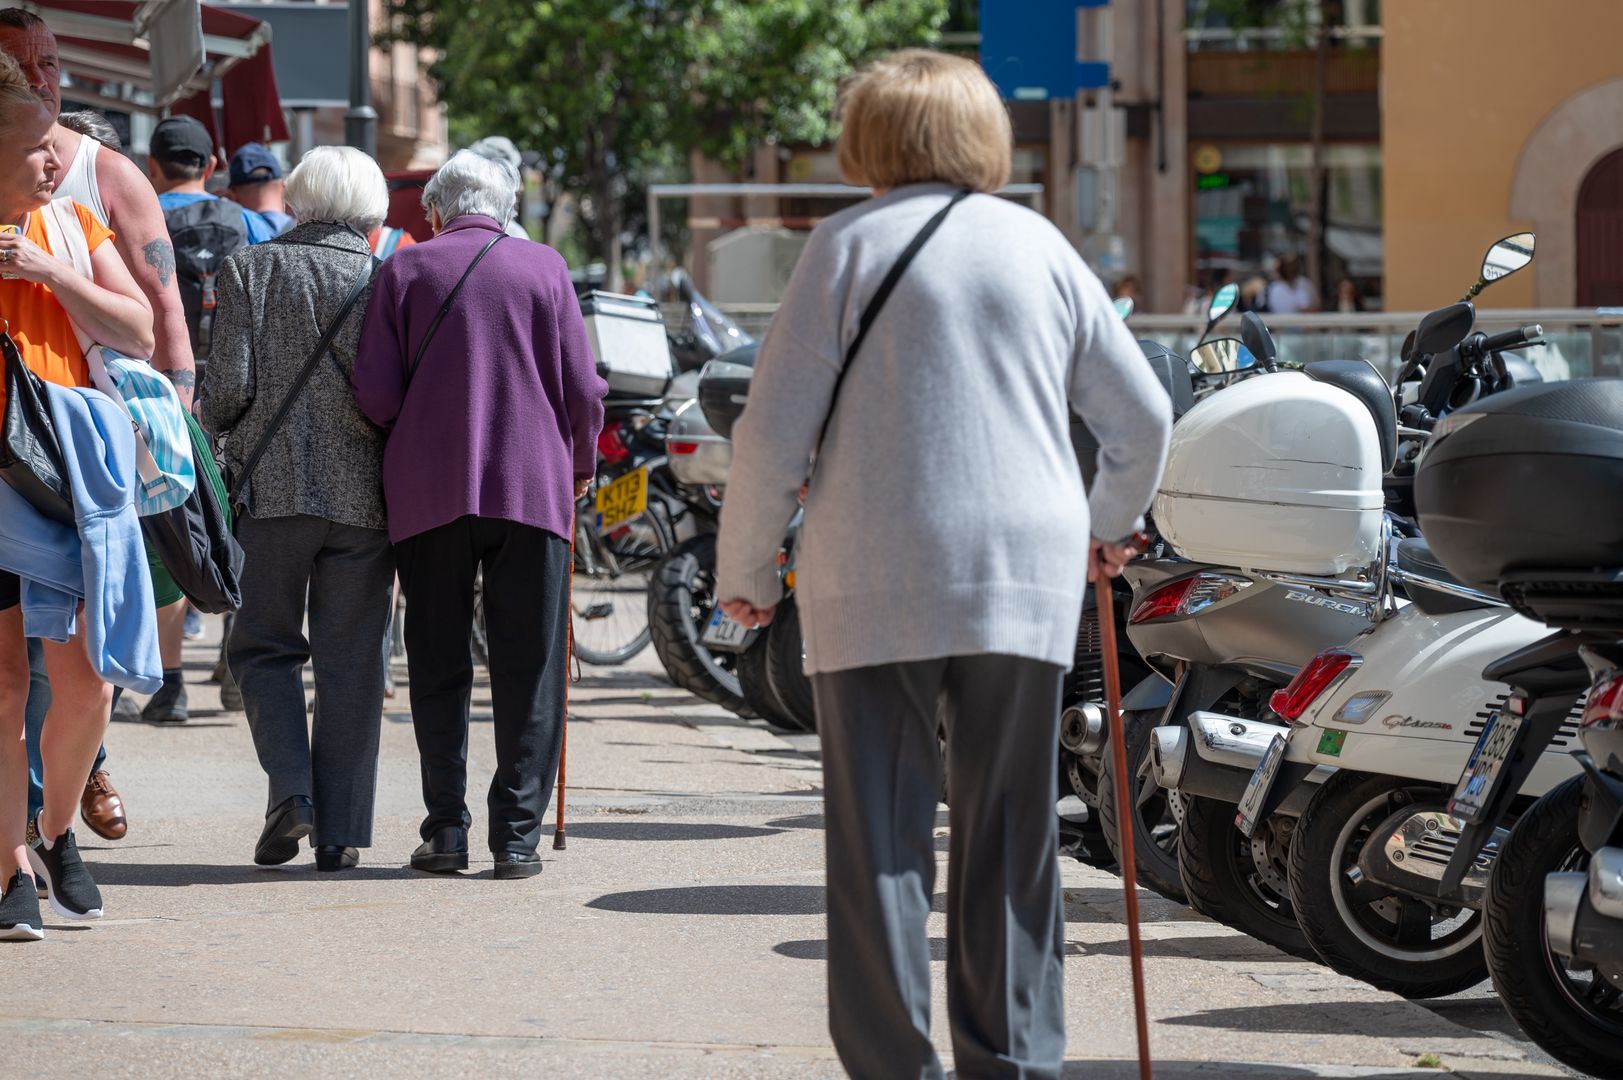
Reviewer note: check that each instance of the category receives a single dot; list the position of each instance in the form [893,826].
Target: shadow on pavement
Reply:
[1251,1070]
[176,874]
[817,949]
[718,900]
[664,830]
[1388,1019]
[799,821]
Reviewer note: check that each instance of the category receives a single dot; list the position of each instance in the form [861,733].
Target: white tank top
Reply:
[79,179]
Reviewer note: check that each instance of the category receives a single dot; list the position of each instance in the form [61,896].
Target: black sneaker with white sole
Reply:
[19,910]
[68,886]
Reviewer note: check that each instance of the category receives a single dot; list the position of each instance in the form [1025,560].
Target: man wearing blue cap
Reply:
[256,183]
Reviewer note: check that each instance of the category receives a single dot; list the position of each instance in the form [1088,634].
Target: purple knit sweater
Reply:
[504,411]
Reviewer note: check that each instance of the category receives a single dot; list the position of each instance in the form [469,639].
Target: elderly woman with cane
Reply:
[475,358]
[926,353]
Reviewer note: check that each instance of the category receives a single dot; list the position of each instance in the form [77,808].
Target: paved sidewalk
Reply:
[680,935]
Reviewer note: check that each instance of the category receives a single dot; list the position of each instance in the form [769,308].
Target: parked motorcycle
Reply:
[1519,493]
[1295,547]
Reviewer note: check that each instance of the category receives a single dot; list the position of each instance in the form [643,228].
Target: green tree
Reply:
[612,91]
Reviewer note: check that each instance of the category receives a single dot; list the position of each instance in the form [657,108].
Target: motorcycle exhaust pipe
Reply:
[1583,912]
[1213,757]
[1082,729]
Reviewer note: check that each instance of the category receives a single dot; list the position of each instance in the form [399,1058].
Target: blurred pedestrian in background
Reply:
[1291,291]
[256,183]
[926,573]
[314,532]
[500,148]
[494,405]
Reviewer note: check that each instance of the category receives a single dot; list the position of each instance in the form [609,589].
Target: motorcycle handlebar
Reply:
[1512,339]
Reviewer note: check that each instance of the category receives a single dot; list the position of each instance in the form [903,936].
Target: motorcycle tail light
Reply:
[1605,704]
[682,449]
[610,446]
[1318,676]
[1186,596]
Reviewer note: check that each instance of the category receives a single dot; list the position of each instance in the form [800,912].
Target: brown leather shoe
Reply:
[102,809]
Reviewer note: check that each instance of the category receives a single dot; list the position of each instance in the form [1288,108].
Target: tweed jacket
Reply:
[274,301]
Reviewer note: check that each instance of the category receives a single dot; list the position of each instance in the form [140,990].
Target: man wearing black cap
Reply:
[180,161]
[256,182]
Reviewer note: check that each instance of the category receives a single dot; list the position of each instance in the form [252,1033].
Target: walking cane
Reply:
[559,840]
[1105,609]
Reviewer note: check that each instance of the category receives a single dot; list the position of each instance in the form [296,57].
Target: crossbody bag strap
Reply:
[286,406]
[439,316]
[875,305]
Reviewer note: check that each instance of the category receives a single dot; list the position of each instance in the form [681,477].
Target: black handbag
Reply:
[194,540]
[31,458]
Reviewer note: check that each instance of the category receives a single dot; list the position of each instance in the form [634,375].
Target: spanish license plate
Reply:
[1493,748]
[726,635]
[1261,782]
[623,501]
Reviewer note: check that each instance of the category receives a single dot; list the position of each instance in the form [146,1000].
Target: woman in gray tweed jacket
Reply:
[942,561]
[315,523]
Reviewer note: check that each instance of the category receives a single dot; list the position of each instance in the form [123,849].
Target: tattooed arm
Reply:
[142,239]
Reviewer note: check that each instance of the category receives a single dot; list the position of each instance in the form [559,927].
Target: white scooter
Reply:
[1397,712]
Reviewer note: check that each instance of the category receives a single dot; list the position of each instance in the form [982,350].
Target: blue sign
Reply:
[1028,48]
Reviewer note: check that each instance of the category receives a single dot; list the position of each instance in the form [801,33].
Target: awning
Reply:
[172,49]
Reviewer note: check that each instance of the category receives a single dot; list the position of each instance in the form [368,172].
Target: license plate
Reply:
[726,635]
[1493,748]
[623,501]
[1257,788]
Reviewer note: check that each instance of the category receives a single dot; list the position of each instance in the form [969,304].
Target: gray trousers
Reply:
[347,574]
[1005,917]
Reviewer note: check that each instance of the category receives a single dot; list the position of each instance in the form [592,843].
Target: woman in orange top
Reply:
[38,294]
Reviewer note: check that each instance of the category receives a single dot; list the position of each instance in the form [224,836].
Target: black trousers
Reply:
[526,597]
[1005,918]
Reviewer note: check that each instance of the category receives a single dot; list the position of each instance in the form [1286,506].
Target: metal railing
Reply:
[1580,342]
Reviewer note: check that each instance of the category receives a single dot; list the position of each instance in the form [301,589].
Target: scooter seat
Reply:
[1415,557]
[1360,379]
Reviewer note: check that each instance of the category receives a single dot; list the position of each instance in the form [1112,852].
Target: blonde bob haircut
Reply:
[918,115]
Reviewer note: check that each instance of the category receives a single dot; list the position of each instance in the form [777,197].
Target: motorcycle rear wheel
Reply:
[1580,1024]
[1367,931]
[681,597]
[1155,812]
[756,688]
[786,665]
[1223,880]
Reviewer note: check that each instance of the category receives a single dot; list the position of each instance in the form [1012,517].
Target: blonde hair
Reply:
[918,115]
[14,88]
[341,184]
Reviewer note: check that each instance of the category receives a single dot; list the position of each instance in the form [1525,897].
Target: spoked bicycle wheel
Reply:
[609,587]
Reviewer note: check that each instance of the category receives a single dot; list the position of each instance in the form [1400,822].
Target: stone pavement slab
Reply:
[680,934]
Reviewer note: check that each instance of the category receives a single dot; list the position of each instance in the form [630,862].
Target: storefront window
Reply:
[1253,207]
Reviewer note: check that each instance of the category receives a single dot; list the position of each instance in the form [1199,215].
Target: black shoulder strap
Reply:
[439,316]
[293,392]
[886,287]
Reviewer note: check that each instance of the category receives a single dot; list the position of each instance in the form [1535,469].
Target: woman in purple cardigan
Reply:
[475,359]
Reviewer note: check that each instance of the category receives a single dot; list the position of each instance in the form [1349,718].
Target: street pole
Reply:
[361,121]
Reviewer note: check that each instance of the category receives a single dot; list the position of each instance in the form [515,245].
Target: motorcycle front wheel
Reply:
[681,600]
[1392,940]
[1573,1011]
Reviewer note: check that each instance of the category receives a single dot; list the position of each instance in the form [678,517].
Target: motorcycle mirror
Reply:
[1222,303]
[1503,259]
[1123,306]
[1222,355]
[1444,328]
[1254,333]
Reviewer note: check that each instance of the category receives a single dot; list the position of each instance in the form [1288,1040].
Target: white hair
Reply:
[470,183]
[341,184]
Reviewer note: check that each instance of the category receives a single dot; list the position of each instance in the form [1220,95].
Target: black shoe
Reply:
[445,852]
[168,705]
[285,826]
[68,884]
[517,864]
[19,911]
[330,858]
